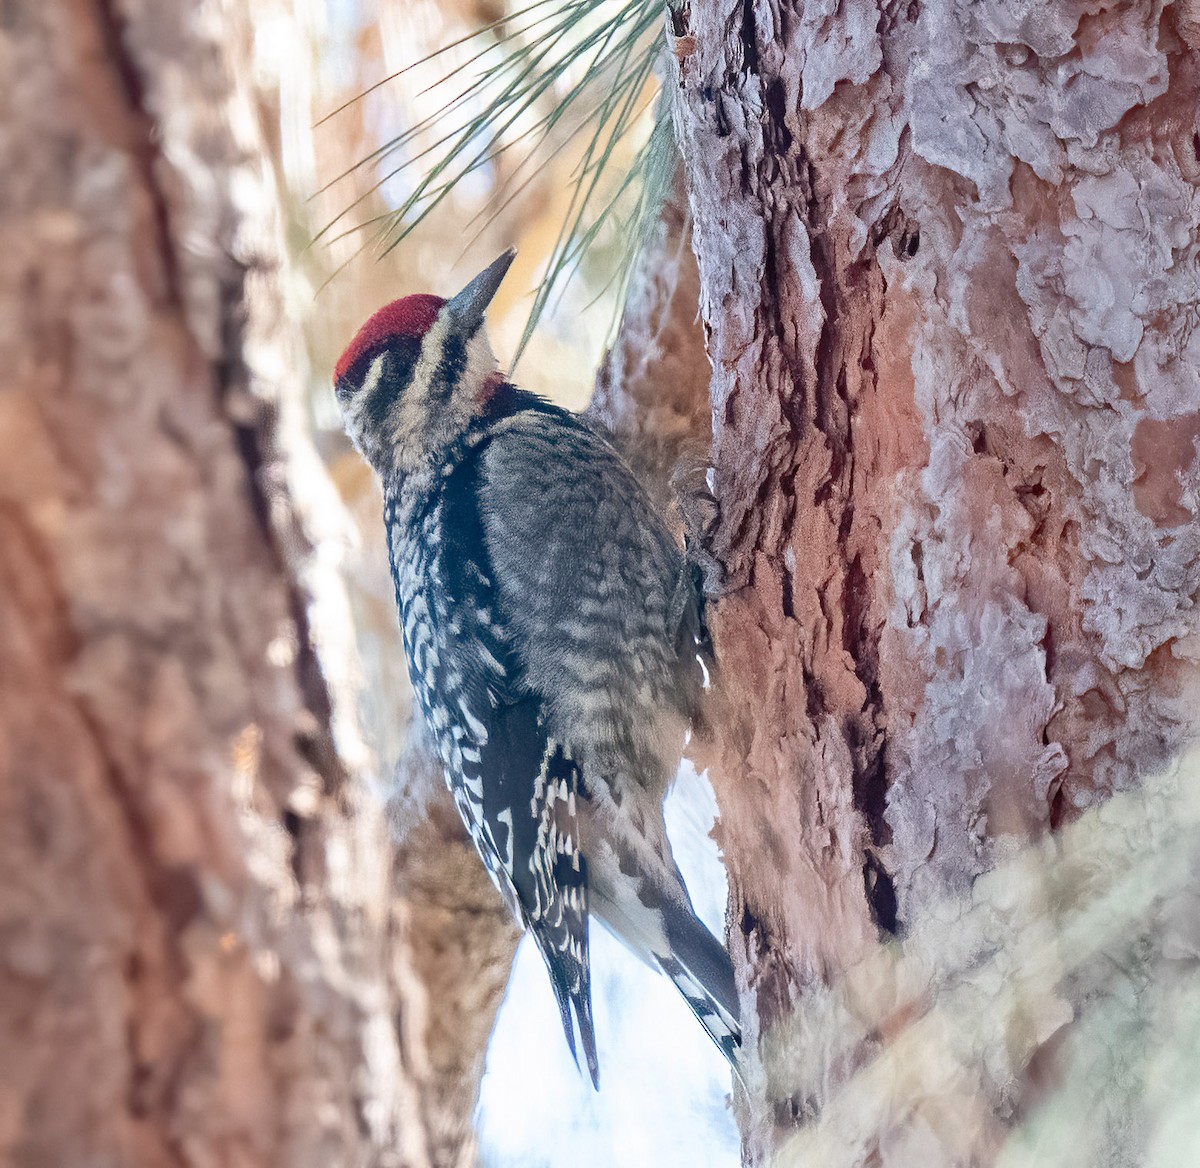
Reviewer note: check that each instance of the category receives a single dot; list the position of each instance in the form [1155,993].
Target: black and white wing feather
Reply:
[515,787]
[525,769]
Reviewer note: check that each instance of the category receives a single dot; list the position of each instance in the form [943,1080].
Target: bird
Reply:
[551,625]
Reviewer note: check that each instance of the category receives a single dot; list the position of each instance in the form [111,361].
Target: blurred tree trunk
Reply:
[947,270]
[209,953]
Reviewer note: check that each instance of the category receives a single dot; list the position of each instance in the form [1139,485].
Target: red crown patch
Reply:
[411,316]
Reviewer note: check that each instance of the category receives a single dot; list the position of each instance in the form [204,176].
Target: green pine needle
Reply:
[507,81]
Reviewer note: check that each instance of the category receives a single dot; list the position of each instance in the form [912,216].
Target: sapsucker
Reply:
[550,624]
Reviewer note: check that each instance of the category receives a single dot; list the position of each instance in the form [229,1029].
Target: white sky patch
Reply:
[663,1084]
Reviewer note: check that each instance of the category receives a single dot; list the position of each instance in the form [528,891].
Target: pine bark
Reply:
[947,259]
[210,952]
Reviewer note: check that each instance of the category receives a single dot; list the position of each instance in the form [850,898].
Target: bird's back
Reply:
[595,590]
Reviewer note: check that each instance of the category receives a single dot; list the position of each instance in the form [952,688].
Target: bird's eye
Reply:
[378,376]
[362,377]
[353,379]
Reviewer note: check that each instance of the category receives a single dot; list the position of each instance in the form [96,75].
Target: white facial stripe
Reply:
[373,375]
[417,422]
[414,402]
[481,361]
[354,408]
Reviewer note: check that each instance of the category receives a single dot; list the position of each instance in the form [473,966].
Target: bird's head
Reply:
[417,372]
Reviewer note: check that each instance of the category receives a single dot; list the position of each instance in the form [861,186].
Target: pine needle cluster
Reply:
[555,76]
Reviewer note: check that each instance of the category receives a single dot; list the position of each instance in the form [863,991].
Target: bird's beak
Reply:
[468,307]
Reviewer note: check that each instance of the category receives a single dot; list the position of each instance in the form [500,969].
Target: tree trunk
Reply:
[198,961]
[947,261]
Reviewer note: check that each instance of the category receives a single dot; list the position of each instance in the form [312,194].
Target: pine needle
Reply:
[496,103]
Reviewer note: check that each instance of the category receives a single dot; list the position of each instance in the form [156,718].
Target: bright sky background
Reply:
[663,1092]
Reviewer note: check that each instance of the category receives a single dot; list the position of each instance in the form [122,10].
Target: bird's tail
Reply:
[660,926]
[574,997]
[558,917]
[702,972]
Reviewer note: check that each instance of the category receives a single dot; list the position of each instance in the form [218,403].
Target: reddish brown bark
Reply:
[946,262]
[946,271]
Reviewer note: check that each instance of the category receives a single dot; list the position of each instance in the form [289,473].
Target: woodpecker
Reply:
[550,624]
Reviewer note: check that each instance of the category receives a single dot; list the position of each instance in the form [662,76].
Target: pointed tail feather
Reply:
[575,999]
[644,903]
[722,1027]
[702,972]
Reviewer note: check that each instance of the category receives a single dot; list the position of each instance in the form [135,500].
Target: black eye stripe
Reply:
[399,360]
[380,401]
[400,356]
[401,353]
[450,367]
